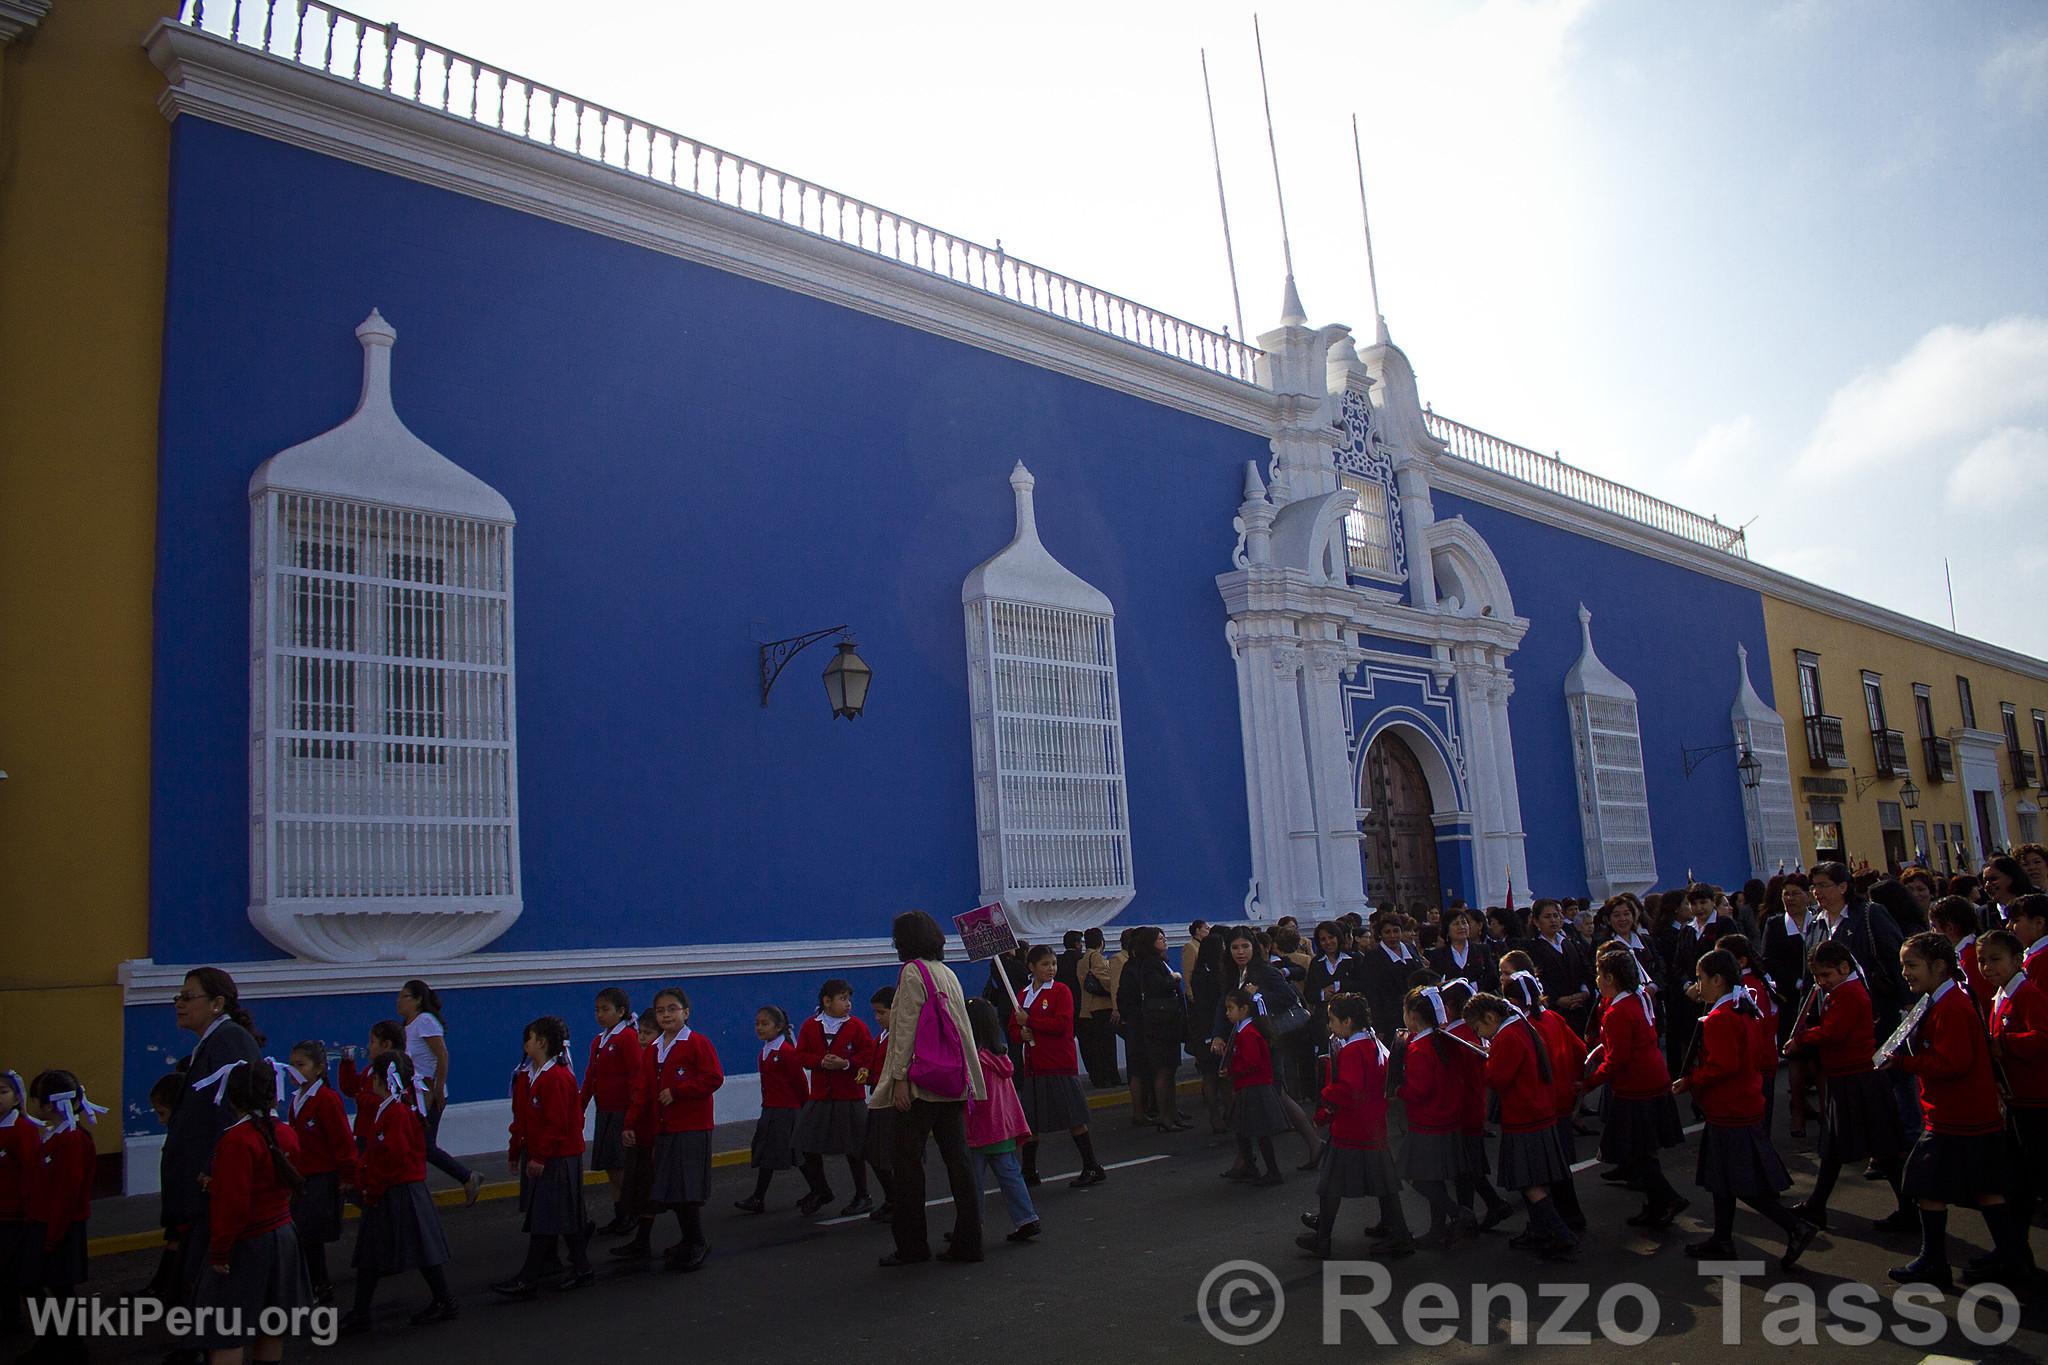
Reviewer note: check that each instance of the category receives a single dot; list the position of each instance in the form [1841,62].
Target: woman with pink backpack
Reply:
[928,1074]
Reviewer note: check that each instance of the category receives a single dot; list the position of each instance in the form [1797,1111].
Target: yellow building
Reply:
[84,179]
[1907,741]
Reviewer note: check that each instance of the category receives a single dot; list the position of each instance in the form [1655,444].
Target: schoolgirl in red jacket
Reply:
[679,1073]
[1353,1106]
[638,1190]
[1764,996]
[400,1230]
[1429,1070]
[608,1083]
[548,1127]
[1518,1070]
[1049,1082]
[2019,1047]
[1468,1063]
[1737,1160]
[359,1083]
[1259,1116]
[60,1192]
[783,1094]
[326,1162]
[21,1157]
[253,1259]
[1961,1157]
[1566,1051]
[832,1045]
[1859,1120]
[1640,1119]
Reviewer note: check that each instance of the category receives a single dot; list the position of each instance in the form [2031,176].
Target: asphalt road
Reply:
[1116,1277]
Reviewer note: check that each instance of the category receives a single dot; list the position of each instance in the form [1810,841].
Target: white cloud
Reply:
[2007,469]
[2018,72]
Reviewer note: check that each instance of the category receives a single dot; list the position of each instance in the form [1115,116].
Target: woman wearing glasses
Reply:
[210,1006]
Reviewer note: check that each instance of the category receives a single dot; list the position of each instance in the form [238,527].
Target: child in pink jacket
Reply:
[995,1124]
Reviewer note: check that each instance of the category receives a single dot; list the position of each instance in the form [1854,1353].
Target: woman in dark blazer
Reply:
[210,1006]
[1465,953]
[1148,996]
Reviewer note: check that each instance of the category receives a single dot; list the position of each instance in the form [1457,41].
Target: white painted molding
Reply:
[242,88]
[20,18]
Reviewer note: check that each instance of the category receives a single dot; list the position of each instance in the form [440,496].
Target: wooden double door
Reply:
[1399,844]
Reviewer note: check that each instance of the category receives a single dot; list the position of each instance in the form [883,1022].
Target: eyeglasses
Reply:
[183,996]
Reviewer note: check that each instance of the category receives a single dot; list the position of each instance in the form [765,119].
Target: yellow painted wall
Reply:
[1846,650]
[84,179]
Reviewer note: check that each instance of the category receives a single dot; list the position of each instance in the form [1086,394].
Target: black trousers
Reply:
[1097,1041]
[947,1123]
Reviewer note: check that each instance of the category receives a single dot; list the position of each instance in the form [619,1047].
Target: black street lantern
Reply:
[1909,795]
[846,681]
[1751,768]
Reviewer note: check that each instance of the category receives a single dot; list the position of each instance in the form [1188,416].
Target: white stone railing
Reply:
[384,57]
[1554,475]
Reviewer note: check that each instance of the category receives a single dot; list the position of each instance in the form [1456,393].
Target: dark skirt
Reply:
[774,1146]
[832,1128]
[401,1231]
[1740,1162]
[553,1200]
[1530,1159]
[608,1141]
[1567,1141]
[1474,1154]
[1951,1169]
[63,1267]
[264,1271]
[1053,1104]
[1860,1119]
[1259,1114]
[880,1142]
[1637,1130]
[316,1209]
[1435,1156]
[1355,1172]
[21,1256]
[682,1168]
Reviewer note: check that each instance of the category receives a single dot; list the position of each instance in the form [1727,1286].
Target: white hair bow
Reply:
[218,1081]
[73,1105]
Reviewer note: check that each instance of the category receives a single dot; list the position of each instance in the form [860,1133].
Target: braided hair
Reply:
[550,1029]
[252,1090]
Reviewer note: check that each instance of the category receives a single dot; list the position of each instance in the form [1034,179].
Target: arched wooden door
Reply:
[1400,834]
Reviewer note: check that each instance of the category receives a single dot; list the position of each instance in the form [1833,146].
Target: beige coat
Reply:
[903,1018]
[1096,963]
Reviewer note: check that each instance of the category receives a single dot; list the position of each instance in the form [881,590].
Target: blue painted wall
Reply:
[1669,633]
[698,462]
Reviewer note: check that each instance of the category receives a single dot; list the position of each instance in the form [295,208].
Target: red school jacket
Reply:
[1950,1055]
[1630,1059]
[1354,1095]
[245,1197]
[686,1066]
[1845,1033]
[1728,1078]
[1468,1070]
[851,1043]
[361,1090]
[782,1077]
[1051,1017]
[396,1153]
[1528,1103]
[2020,1024]
[1567,1060]
[1429,1084]
[21,1160]
[522,1091]
[608,1075]
[61,1192]
[554,1114]
[321,1127]
[1251,1058]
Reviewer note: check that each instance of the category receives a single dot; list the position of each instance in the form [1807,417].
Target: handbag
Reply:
[1165,1009]
[938,1058]
[1284,1022]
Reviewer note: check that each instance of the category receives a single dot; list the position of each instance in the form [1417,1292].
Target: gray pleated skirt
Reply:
[1437,1156]
[1741,1162]
[832,1128]
[1355,1172]
[21,1248]
[1053,1104]
[1530,1159]
[1474,1154]
[264,1271]
[1637,1130]
[608,1141]
[1259,1114]
[1860,1119]
[316,1209]
[774,1146]
[682,1168]
[1956,1169]
[553,1200]
[401,1231]
[66,1265]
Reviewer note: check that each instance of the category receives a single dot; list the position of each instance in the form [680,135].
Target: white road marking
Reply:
[1063,1175]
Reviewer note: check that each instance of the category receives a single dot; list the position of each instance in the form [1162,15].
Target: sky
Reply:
[1781,261]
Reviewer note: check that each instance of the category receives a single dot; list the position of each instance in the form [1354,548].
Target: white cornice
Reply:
[238,86]
[1453,475]
[19,17]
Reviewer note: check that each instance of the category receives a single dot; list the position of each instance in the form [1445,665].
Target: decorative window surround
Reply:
[1770,812]
[1607,750]
[383,763]
[1052,807]
[1373,535]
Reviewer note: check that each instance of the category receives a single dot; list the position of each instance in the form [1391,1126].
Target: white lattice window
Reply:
[1768,810]
[384,778]
[1373,541]
[1051,805]
[1614,799]
[1368,528]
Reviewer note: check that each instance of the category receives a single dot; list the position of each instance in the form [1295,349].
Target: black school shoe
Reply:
[1796,1242]
[683,1260]
[1094,1175]
[1315,1244]
[575,1280]
[1024,1233]
[1712,1248]
[518,1289]
[635,1250]
[812,1202]
[440,1310]
[1388,1248]
[856,1206]
[1269,1178]
[1922,1271]
[749,1205]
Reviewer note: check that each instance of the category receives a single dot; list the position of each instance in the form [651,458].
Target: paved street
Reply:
[1115,1276]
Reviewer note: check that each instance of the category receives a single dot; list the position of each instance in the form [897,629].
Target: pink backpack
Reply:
[938,1058]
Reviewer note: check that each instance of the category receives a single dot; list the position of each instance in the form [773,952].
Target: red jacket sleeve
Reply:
[2022,1038]
[1722,1054]
[810,1044]
[54,1198]
[227,1212]
[701,1074]
[1943,1053]
[641,1110]
[335,1139]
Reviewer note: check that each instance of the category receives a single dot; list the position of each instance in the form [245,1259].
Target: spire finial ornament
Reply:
[377,337]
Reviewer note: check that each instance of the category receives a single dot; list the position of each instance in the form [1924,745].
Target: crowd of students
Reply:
[1456,1056]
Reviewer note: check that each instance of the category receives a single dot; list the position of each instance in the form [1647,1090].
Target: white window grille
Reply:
[1769,811]
[384,775]
[1051,804]
[1373,542]
[1607,749]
